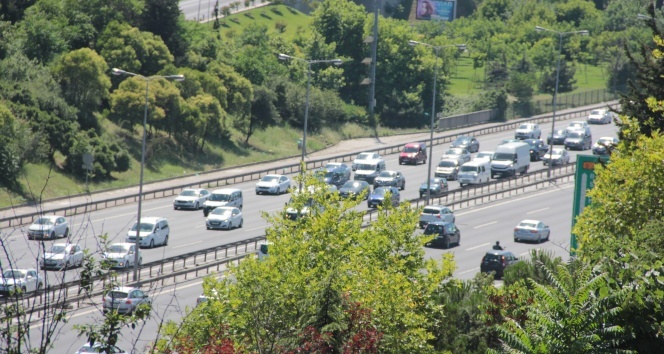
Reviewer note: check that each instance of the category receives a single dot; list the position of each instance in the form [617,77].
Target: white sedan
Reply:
[49,226]
[23,280]
[273,184]
[224,218]
[531,230]
[556,157]
[62,256]
[191,199]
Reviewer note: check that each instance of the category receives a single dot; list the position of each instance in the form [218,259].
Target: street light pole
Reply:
[147,80]
[306,106]
[433,105]
[555,92]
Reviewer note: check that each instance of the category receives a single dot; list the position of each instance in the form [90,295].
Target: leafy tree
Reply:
[108,156]
[162,18]
[494,10]
[263,112]
[271,304]
[238,100]
[566,80]
[42,38]
[574,311]
[206,119]
[576,12]
[84,83]
[13,10]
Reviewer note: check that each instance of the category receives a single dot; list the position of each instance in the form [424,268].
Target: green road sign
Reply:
[584,180]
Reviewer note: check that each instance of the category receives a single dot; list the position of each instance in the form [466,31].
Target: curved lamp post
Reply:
[436,49]
[306,107]
[555,94]
[119,72]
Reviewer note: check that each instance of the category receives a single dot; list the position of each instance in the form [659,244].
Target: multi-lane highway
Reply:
[480,227]
[203,10]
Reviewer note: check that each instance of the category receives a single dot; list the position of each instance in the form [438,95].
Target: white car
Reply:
[484,155]
[122,255]
[124,300]
[600,116]
[62,256]
[191,199]
[433,213]
[49,226]
[457,153]
[364,157]
[604,145]
[531,230]
[556,157]
[153,231]
[224,218]
[23,280]
[273,184]
[96,348]
[578,125]
[528,131]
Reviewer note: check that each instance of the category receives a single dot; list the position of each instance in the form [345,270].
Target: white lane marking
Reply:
[468,271]
[185,245]
[487,224]
[514,200]
[256,228]
[527,253]
[537,211]
[478,246]
[118,216]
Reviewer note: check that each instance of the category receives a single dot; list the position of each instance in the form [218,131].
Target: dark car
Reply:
[537,149]
[497,261]
[337,176]
[438,187]
[377,197]
[445,233]
[466,142]
[578,139]
[352,189]
[558,137]
[390,178]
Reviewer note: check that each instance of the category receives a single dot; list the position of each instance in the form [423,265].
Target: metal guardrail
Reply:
[18,220]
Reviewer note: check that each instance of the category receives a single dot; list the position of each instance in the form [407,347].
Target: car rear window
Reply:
[434,229]
[490,258]
[118,294]
[433,211]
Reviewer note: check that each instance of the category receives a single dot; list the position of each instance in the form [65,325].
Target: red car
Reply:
[413,153]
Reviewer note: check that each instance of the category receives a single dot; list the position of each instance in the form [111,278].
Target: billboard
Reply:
[444,10]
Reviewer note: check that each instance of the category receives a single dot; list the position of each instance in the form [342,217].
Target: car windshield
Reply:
[57,249]
[44,221]
[462,140]
[380,191]
[387,174]
[270,179]
[145,226]
[97,349]
[468,169]
[575,126]
[330,174]
[454,152]
[574,135]
[13,274]
[117,294]
[331,166]
[557,151]
[410,149]
[433,183]
[528,225]
[118,249]
[188,193]
[351,184]
[366,167]
[222,211]
[503,156]
[596,112]
[605,141]
[434,229]
[560,132]
[363,156]
[447,163]
[489,257]
[524,126]
[219,197]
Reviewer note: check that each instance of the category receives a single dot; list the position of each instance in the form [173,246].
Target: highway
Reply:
[202,10]
[480,227]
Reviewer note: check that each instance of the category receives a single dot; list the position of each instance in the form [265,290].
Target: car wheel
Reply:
[403,186]
[196,206]
[458,243]
[547,236]
[230,225]
[66,234]
[207,227]
[278,190]
[400,162]
[126,265]
[424,162]
[539,238]
[152,243]
[52,235]
[516,240]
[67,266]
[447,242]
[241,222]
[166,241]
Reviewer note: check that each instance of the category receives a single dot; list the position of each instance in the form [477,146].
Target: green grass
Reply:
[295,23]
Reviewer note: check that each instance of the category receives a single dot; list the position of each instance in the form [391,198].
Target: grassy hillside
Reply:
[286,21]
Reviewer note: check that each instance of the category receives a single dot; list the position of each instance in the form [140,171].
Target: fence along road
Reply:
[83,204]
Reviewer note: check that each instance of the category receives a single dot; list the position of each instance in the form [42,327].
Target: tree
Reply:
[13,10]
[263,112]
[206,119]
[566,80]
[84,83]
[315,263]
[108,156]
[162,18]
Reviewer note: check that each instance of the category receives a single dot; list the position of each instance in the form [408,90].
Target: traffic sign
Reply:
[584,180]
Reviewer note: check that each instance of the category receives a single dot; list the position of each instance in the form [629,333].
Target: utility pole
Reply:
[372,76]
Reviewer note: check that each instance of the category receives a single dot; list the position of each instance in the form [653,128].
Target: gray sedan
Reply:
[457,153]
[531,230]
[390,178]
[556,157]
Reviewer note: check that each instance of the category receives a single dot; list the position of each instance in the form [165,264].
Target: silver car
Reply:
[600,116]
[62,256]
[363,157]
[466,142]
[531,230]
[457,153]
[96,348]
[122,255]
[390,178]
[125,300]
[448,169]
[23,280]
[224,218]
[191,199]
[49,226]
[435,213]
[528,131]
[556,157]
[273,184]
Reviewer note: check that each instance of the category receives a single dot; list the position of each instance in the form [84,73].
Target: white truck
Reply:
[510,159]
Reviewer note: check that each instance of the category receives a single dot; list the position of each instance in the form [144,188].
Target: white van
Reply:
[510,159]
[369,170]
[474,172]
[230,197]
